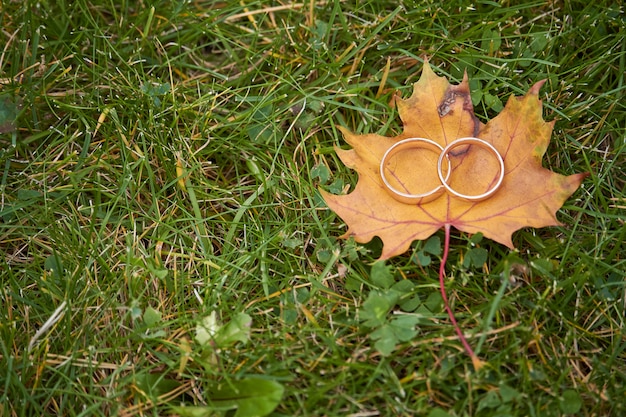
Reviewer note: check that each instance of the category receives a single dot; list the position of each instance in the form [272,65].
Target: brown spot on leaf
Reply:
[461,93]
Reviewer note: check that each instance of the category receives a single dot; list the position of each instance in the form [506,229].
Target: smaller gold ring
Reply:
[470,141]
[406,197]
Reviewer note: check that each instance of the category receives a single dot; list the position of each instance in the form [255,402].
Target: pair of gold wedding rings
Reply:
[444,154]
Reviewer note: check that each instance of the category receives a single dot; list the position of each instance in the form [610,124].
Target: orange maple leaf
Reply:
[530,195]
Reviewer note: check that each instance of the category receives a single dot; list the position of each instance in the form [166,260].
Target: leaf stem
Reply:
[442,286]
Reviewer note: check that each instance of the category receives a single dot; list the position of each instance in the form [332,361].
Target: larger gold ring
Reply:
[408,198]
[470,141]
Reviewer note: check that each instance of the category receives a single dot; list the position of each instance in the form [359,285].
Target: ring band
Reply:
[469,141]
[410,144]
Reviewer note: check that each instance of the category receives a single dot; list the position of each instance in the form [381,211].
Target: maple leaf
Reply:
[530,195]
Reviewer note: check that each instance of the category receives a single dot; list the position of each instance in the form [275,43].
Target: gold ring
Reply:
[410,144]
[469,141]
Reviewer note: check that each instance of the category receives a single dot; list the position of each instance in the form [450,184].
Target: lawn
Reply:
[165,250]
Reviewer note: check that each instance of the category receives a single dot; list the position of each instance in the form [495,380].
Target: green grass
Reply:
[161,160]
